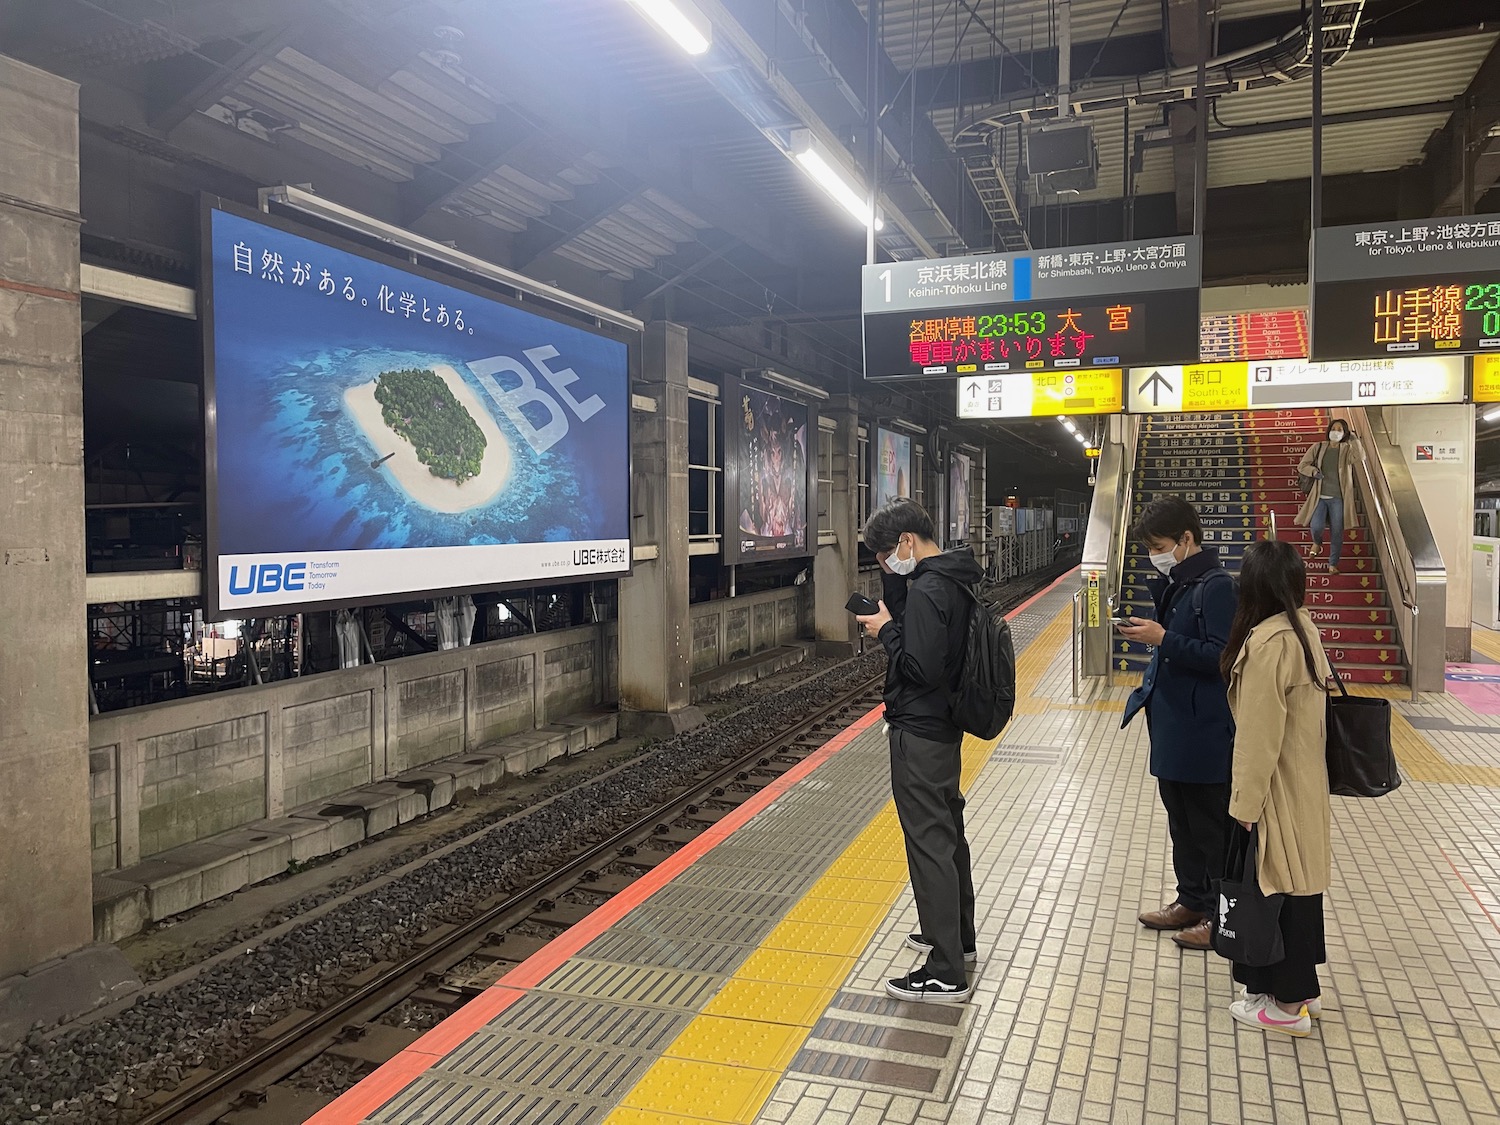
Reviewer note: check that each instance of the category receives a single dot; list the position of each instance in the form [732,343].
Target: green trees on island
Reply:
[418,405]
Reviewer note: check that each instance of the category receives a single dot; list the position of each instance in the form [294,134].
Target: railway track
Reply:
[455,962]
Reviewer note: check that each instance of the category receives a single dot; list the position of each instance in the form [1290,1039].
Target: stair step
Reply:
[1340,634]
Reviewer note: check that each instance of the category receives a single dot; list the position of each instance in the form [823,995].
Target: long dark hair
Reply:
[1272,580]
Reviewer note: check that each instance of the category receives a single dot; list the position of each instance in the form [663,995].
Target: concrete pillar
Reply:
[836,567]
[656,633]
[46,885]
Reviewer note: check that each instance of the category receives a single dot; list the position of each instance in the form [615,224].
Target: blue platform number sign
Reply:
[374,431]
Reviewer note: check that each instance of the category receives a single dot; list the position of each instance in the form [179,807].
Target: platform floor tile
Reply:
[1080,1015]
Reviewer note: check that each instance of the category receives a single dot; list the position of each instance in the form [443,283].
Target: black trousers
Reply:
[924,782]
[1295,978]
[1198,822]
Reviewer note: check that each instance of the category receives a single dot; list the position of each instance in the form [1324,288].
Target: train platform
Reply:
[742,980]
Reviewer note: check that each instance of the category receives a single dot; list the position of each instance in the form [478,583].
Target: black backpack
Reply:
[986,694]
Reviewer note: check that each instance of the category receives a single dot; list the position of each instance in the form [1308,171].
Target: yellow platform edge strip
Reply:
[727,1061]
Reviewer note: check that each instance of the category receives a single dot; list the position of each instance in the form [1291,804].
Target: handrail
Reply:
[1077,632]
[1394,550]
[1274,534]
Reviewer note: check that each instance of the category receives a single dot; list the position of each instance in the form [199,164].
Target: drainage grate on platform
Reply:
[1028,755]
[625,947]
[576,1020]
[633,984]
[875,1042]
[432,1101]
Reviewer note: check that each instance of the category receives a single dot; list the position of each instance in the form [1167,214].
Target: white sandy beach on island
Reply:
[437,493]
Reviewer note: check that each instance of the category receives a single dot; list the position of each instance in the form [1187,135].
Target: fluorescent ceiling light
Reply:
[1081,439]
[680,20]
[791,384]
[827,176]
[1492,413]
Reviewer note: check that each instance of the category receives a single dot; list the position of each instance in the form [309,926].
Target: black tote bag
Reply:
[1361,762]
[1248,928]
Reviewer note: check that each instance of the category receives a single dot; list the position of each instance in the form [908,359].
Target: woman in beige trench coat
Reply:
[1278,678]
[1330,502]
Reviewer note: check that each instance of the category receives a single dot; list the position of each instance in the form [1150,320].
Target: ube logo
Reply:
[268,578]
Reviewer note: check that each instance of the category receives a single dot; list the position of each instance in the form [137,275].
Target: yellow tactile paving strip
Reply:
[725,1064]
[1487,644]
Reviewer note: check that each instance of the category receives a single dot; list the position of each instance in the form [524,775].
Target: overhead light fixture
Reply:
[791,384]
[909,427]
[824,170]
[679,19]
[1492,413]
[1081,439]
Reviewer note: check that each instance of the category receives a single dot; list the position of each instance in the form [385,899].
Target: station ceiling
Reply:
[571,140]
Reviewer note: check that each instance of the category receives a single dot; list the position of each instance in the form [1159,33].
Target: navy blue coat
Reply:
[1183,692]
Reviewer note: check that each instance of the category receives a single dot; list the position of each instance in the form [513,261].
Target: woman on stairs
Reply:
[1330,500]
[1278,677]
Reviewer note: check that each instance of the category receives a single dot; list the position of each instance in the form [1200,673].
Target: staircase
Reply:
[1238,469]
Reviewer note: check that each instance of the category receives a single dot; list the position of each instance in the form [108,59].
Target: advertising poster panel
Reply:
[767,475]
[959,468]
[892,467]
[375,432]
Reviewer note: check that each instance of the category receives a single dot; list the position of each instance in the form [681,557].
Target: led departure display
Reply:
[1407,290]
[1107,306]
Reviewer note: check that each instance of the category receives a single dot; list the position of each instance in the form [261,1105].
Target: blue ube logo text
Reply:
[269,578]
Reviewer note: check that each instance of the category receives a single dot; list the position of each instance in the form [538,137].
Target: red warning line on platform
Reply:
[394,1076]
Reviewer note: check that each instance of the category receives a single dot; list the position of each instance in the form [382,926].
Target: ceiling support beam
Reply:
[1186,46]
[1462,160]
[170,102]
[565,222]
[465,164]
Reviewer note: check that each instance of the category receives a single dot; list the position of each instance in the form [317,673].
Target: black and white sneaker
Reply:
[924,988]
[922,945]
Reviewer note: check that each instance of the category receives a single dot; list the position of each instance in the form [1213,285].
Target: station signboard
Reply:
[1486,378]
[1020,394]
[1112,305]
[1407,289]
[1283,384]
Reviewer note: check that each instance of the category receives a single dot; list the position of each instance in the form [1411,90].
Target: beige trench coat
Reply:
[1280,775]
[1312,462]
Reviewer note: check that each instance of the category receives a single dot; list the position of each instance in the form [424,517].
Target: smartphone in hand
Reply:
[861,606]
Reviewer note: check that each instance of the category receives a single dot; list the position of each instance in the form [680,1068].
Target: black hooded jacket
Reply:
[925,642]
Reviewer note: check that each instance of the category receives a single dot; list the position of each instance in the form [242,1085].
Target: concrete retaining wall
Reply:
[731,629]
[173,773]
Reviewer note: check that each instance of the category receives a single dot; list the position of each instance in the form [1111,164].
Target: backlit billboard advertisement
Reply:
[959,468]
[377,431]
[892,466]
[767,474]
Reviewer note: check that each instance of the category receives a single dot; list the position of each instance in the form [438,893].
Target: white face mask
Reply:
[1336,436]
[899,565]
[1164,562]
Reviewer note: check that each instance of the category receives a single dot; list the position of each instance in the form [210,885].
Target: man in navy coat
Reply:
[1187,709]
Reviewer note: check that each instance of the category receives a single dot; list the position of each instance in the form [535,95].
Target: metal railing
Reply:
[1401,563]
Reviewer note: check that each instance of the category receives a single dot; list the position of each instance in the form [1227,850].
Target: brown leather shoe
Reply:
[1198,937]
[1173,917]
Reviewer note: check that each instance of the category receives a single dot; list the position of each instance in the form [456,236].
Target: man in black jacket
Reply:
[922,624]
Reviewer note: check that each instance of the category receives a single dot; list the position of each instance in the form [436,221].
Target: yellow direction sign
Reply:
[1487,378]
[1035,394]
[1191,389]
